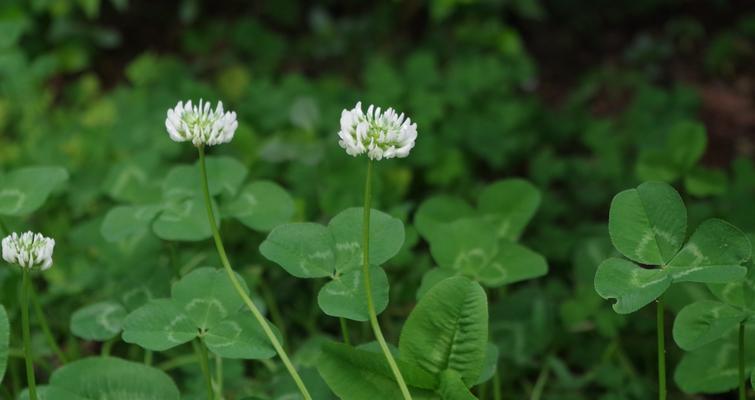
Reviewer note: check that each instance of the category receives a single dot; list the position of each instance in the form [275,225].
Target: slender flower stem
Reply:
[148,357]
[368,284]
[218,376]
[344,331]
[661,350]
[497,385]
[178,362]
[239,289]
[542,380]
[107,347]
[742,380]
[204,364]
[25,289]
[45,326]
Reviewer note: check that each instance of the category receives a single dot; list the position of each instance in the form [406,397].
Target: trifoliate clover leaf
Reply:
[309,250]
[481,243]
[648,226]
[24,190]
[203,305]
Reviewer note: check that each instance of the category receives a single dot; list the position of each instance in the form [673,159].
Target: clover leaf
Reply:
[678,158]
[180,215]
[107,378]
[203,305]
[648,225]
[24,190]
[482,243]
[309,250]
[443,350]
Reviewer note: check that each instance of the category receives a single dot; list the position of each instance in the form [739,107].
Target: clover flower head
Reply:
[28,250]
[200,124]
[379,134]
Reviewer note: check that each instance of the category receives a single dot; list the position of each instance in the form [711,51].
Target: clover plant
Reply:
[648,226]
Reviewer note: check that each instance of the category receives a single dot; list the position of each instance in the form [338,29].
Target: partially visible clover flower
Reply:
[201,125]
[28,250]
[379,134]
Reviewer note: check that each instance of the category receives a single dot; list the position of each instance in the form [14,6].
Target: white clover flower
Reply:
[379,134]
[201,125]
[28,250]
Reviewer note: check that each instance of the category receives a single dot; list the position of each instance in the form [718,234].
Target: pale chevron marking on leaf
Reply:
[103,320]
[667,236]
[504,273]
[684,272]
[134,292]
[176,214]
[249,209]
[330,289]
[318,255]
[20,198]
[467,258]
[126,175]
[699,257]
[170,327]
[210,304]
[646,239]
[345,246]
[635,279]
[504,228]
[232,340]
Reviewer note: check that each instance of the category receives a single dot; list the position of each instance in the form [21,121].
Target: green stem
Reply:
[107,348]
[742,380]
[178,362]
[25,291]
[218,376]
[204,364]
[240,289]
[46,327]
[344,331]
[148,357]
[273,309]
[497,385]
[368,284]
[542,380]
[661,350]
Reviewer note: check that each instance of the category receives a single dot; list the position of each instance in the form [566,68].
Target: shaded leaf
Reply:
[510,205]
[703,322]
[261,206]
[448,330]
[345,296]
[99,321]
[648,224]
[713,254]
[633,287]
[24,190]
[386,237]
[159,325]
[240,336]
[304,250]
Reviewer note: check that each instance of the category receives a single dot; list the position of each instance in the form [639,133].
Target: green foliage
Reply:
[98,321]
[4,341]
[308,250]
[203,305]
[448,330]
[481,244]
[25,190]
[648,225]
[85,159]
[442,349]
[111,378]
[180,215]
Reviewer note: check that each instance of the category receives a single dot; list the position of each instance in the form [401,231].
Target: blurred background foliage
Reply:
[584,98]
